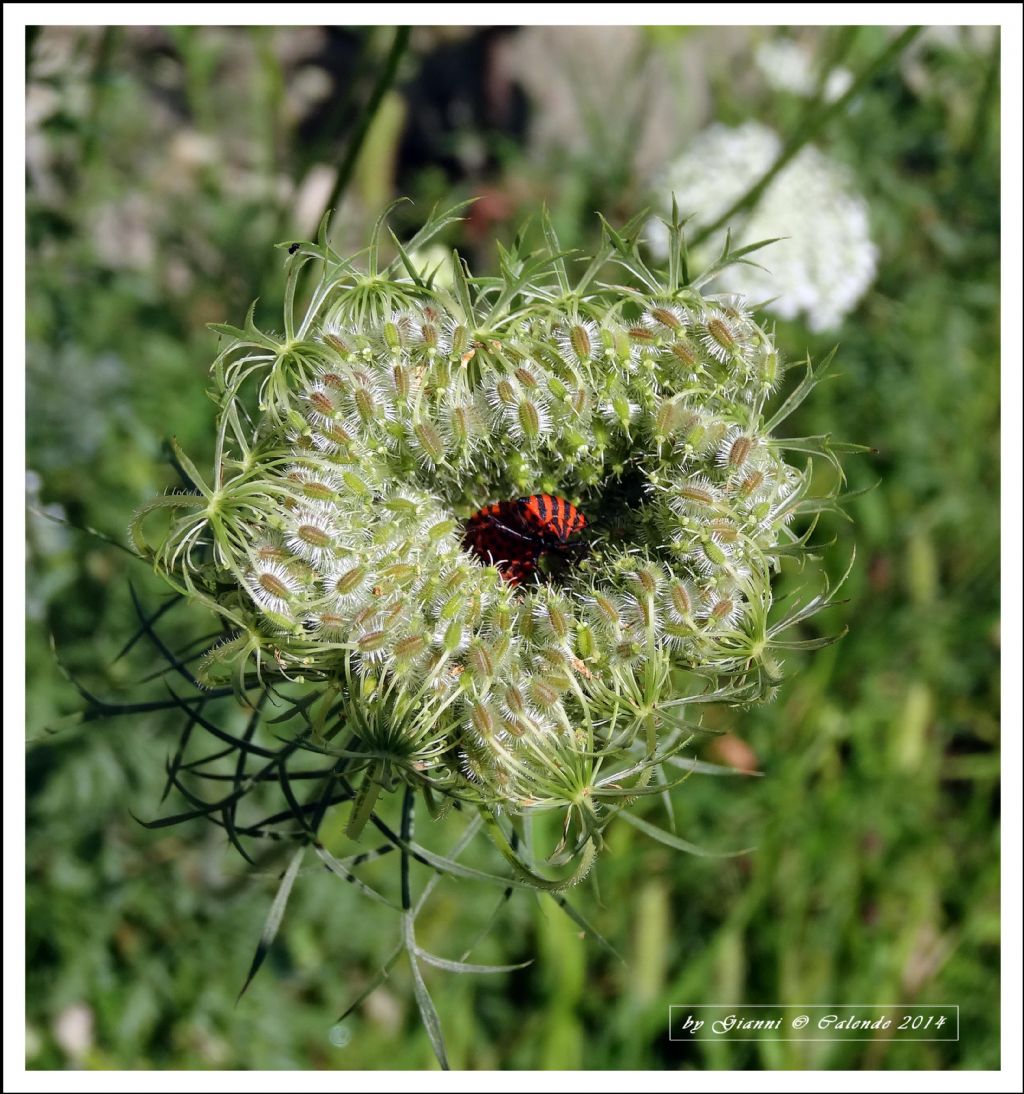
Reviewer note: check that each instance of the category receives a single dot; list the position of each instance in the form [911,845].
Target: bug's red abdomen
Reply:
[512,535]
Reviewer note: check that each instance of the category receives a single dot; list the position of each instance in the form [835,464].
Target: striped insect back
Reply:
[514,535]
[554,520]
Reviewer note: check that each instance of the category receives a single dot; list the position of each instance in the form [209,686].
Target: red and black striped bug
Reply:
[513,535]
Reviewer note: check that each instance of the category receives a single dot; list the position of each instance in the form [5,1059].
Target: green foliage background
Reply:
[163,165]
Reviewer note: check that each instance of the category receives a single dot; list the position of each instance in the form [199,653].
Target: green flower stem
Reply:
[384,82]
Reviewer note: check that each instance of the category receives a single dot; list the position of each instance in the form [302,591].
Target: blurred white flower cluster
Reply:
[788,66]
[824,259]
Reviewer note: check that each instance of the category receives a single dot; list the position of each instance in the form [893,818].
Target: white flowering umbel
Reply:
[352,448]
[788,66]
[823,259]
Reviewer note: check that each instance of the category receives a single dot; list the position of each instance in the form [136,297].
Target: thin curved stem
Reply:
[355,146]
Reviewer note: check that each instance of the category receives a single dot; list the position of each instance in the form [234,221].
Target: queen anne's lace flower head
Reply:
[352,449]
[823,260]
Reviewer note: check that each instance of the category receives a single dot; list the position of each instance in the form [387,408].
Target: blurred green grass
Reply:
[163,164]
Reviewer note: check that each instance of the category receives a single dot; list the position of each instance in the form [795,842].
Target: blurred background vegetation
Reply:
[162,165]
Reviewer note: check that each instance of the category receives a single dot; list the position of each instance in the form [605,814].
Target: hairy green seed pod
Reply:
[607,609]
[558,621]
[350,580]
[699,495]
[506,393]
[460,340]
[441,530]
[670,416]
[453,635]
[513,726]
[460,426]
[557,389]
[681,598]
[720,332]
[401,573]
[314,536]
[318,491]
[430,441]
[334,381]
[580,339]
[723,531]
[685,354]
[274,586]
[529,419]
[322,403]
[402,379]
[713,553]
[366,405]
[401,506]
[751,483]
[641,334]
[722,610]
[479,661]
[392,336]
[666,317]
[516,701]
[411,646]
[483,721]
[372,641]
[356,484]
[543,693]
[586,642]
[739,451]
